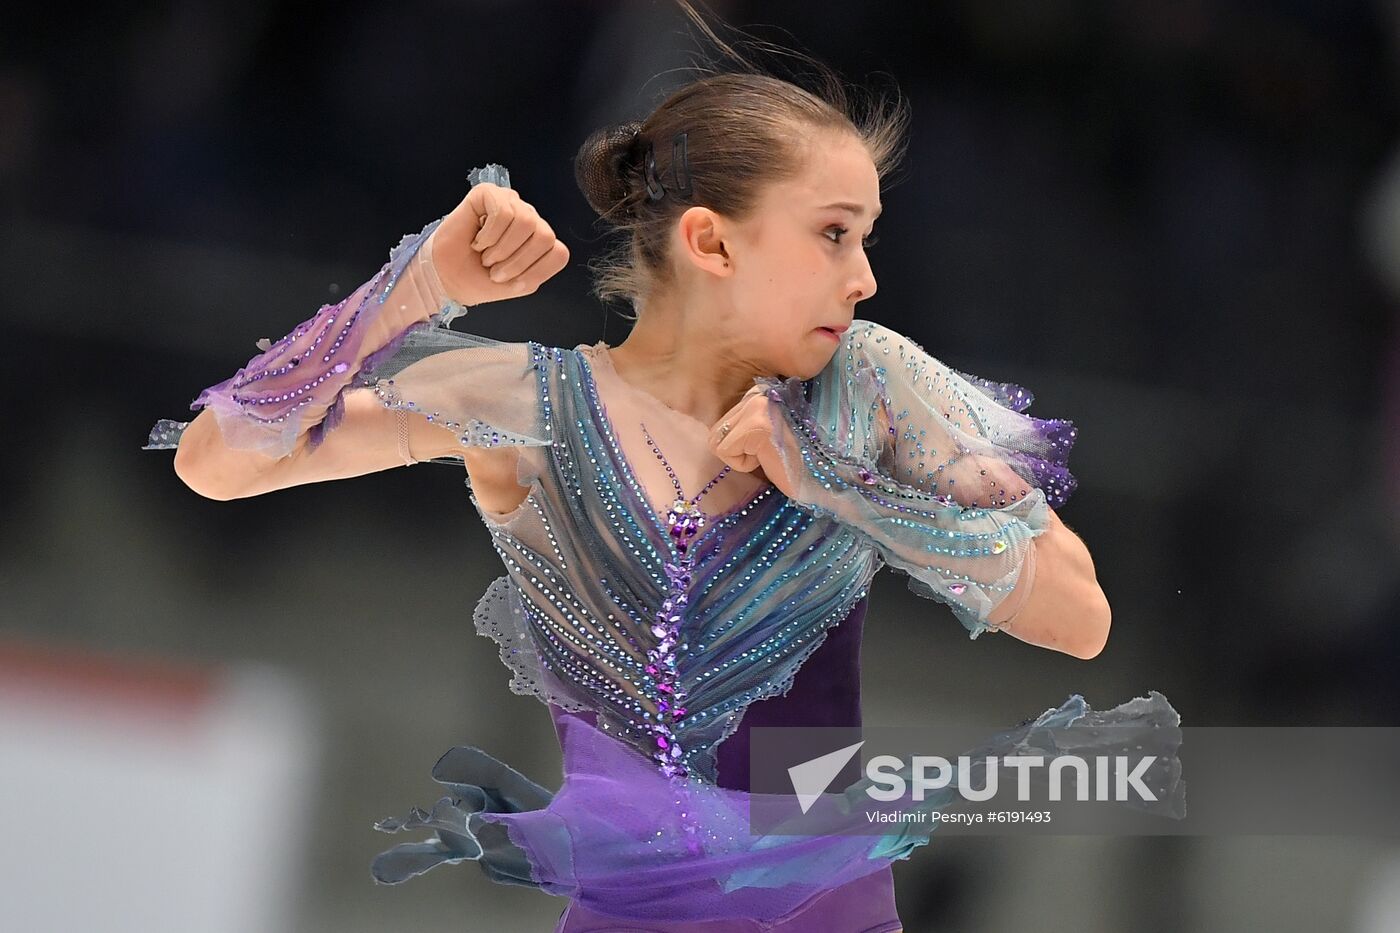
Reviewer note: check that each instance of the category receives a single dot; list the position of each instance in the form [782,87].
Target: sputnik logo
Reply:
[811,778]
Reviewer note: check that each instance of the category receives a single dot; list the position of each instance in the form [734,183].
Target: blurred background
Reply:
[1177,223]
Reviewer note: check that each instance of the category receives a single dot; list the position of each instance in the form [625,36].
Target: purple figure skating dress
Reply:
[662,606]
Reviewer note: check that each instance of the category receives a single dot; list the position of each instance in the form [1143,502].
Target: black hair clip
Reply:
[655,190]
[680,165]
[680,170]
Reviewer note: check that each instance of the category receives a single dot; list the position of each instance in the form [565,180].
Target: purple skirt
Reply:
[865,905]
[634,850]
[825,692]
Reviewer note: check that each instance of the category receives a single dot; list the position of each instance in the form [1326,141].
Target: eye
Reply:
[841,231]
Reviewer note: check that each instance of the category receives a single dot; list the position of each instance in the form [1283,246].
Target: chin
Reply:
[812,370]
[807,360]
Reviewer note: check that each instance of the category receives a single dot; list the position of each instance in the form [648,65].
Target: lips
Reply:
[835,331]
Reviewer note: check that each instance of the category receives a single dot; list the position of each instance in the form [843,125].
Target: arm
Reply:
[305,410]
[242,444]
[370,437]
[1064,609]
[1056,602]
[949,480]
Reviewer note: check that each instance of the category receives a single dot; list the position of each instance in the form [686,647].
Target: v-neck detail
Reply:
[624,464]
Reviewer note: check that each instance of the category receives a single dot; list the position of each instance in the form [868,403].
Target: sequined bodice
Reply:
[600,610]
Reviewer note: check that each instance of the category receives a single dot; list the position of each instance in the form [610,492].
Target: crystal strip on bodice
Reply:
[686,519]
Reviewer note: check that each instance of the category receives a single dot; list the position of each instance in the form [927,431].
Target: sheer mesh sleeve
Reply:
[941,470]
[487,392]
[392,334]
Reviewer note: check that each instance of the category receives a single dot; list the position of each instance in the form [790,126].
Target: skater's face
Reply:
[797,265]
[800,263]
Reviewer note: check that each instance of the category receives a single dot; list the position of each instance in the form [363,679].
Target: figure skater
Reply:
[689,521]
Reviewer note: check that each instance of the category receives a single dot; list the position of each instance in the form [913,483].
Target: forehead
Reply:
[838,169]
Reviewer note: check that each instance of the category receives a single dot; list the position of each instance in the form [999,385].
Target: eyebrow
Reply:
[853,208]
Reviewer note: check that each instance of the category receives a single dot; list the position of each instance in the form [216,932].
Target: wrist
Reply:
[426,271]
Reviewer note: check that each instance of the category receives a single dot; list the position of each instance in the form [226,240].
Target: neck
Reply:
[692,366]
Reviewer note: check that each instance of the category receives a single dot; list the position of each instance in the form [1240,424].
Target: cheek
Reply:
[798,260]
[800,275]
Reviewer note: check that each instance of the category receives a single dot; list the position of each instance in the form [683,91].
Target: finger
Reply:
[480,202]
[734,417]
[537,246]
[522,227]
[544,268]
[744,463]
[730,417]
[759,388]
[499,209]
[746,435]
[726,450]
[522,230]
[740,460]
[717,431]
[494,225]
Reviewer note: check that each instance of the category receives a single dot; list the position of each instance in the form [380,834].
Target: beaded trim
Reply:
[684,520]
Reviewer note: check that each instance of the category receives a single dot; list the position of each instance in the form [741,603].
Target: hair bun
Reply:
[602,167]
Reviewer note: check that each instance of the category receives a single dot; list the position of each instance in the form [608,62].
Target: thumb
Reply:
[486,206]
[740,462]
[461,227]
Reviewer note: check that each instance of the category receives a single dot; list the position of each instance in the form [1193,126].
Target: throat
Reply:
[698,414]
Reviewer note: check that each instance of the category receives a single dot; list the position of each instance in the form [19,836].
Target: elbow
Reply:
[188,469]
[200,487]
[211,469]
[1098,619]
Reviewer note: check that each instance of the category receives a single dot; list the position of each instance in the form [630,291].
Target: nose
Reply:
[864,285]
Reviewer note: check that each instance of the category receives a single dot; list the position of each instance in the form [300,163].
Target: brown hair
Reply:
[744,129]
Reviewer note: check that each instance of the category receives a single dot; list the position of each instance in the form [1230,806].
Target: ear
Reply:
[702,240]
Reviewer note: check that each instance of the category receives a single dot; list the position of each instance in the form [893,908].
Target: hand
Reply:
[756,429]
[495,246]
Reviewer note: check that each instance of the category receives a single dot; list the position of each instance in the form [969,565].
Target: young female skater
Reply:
[689,521]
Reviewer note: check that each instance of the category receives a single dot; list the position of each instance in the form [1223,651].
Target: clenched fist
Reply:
[758,441]
[494,246]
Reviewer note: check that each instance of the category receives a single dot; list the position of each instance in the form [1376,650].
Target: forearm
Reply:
[294,387]
[288,397]
[1066,609]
